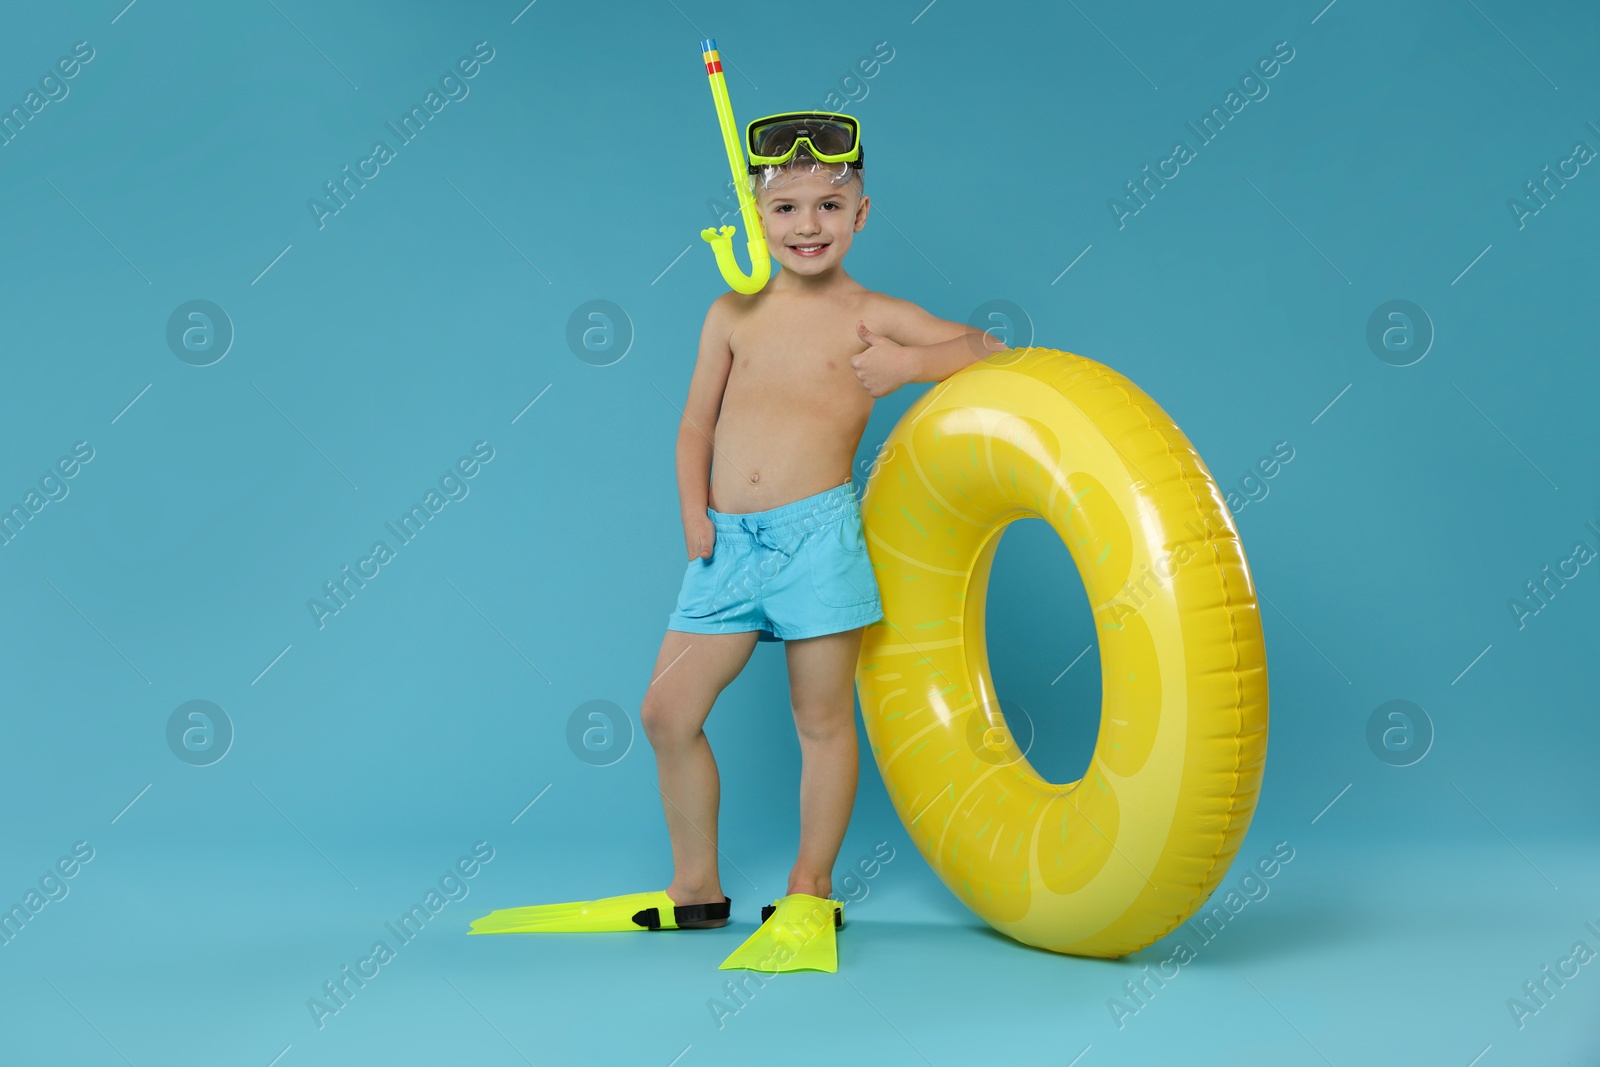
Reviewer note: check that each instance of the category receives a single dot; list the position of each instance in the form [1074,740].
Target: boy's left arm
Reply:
[906,344]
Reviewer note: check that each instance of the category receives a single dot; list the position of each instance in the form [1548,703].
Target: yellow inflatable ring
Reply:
[1110,863]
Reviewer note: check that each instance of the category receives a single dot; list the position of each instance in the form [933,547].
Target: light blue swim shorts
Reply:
[794,571]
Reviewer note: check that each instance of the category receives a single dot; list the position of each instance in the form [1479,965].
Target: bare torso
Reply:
[793,410]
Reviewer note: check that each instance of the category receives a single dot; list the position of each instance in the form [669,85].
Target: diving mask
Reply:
[792,144]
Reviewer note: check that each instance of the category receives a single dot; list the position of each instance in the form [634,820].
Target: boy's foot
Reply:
[711,897]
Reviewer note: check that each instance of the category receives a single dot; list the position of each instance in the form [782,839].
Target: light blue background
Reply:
[432,310]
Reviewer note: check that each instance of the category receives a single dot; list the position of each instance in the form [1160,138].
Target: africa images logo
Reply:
[1252,84]
[1204,928]
[453,486]
[412,123]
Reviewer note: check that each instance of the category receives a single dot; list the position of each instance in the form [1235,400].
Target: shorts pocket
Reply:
[841,570]
[695,598]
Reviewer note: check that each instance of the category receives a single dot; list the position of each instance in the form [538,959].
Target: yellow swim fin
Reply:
[796,934]
[631,911]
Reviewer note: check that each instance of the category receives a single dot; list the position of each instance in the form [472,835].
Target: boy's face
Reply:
[809,210]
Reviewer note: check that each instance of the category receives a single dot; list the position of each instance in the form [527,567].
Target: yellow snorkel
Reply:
[722,240]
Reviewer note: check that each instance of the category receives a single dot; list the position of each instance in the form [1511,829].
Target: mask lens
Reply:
[774,140]
[830,136]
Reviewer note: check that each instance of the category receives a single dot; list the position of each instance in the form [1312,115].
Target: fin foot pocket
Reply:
[838,914]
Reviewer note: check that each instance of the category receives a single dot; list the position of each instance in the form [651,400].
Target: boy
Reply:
[781,392]
[780,396]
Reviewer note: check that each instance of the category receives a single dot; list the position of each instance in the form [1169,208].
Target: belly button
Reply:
[755,477]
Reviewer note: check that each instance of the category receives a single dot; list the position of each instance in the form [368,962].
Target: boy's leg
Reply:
[690,671]
[822,676]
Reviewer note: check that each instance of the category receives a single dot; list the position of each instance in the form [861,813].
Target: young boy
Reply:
[780,395]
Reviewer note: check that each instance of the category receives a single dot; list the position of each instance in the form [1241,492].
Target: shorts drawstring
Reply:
[757,529]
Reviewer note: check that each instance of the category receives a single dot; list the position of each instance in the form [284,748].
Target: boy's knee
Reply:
[661,719]
[652,714]
[823,721]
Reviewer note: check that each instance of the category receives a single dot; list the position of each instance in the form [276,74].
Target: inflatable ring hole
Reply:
[1039,619]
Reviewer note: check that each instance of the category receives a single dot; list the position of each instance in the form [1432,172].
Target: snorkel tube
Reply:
[722,240]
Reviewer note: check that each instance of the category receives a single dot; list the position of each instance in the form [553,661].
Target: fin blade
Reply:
[614,914]
[798,936]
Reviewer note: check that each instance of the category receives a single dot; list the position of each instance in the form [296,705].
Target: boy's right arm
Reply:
[698,427]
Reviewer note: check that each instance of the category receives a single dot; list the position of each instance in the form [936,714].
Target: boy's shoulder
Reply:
[903,321]
[725,311]
[893,306]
